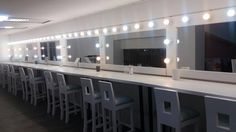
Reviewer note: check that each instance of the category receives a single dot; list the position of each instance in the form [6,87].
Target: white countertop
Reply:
[194,87]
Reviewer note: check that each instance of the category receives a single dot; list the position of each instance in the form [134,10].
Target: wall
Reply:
[3,47]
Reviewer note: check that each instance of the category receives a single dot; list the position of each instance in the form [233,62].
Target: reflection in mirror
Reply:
[208,47]
[139,49]
[50,50]
[31,52]
[86,50]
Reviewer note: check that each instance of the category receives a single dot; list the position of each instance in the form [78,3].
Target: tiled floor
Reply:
[19,116]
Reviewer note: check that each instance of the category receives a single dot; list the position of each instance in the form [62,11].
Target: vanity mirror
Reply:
[209,47]
[86,50]
[144,49]
[50,50]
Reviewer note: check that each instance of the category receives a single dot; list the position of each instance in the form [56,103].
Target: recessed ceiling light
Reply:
[185,19]
[151,24]
[206,16]
[231,13]
[3,18]
[17,20]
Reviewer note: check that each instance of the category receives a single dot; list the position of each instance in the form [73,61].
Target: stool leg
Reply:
[26,91]
[48,101]
[67,108]
[53,103]
[35,94]
[85,117]
[104,120]
[23,90]
[132,118]
[114,123]
[32,93]
[93,109]
[61,106]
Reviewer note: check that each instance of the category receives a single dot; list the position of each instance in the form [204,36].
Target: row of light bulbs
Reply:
[115,29]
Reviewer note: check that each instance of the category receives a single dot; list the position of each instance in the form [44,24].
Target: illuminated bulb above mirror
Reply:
[59,57]
[70,35]
[166,22]
[97,45]
[35,56]
[89,33]
[107,45]
[82,34]
[177,41]
[98,58]
[137,26]
[231,13]
[42,48]
[105,30]
[114,29]
[69,56]
[64,36]
[35,48]
[19,49]
[151,24]
[166,60]
[58,47]
[185,19]
[20,56]
[177,59]
[76,34]
[96,32]
[166,42]
[43,56]
[9,49]
[206,16]
[69,46]
[125,28]
[107,57]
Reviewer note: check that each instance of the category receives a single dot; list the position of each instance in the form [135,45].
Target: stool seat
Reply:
[187,114]
[122,100]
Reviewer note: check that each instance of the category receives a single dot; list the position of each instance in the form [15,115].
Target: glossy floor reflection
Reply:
[19,116]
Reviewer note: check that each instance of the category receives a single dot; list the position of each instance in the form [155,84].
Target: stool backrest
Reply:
[12,68]
[8,70]
[31,75]
[22,74]
[49,79]
[61,82]
[220,114]
[1,69]
[107,93]
[168,107]
[88,89]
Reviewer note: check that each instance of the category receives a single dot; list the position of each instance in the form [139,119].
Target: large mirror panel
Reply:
[50,50]
[209,47]
[87,50]
[138,49]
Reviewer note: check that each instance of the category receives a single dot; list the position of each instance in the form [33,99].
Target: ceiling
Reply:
[52,10]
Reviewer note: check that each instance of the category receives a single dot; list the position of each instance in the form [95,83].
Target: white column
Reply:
[63,44]
[171,49]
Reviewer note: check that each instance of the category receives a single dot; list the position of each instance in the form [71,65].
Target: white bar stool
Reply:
[15,80]
[3,76]
[169,112]
[92,99]
[9,80]
[37,87]
[53,100]
[66,91]
[114,105]
[24,84]
[220,114]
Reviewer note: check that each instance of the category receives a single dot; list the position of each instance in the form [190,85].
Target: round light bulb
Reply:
[58,47]
[59,57]
[151,24]
[82,34]
[43,56]
[96,32]
[35,56]
[69,56]
[89,33]
[9,49]
[137,26]
[107,57]
[35,48]
[20,56]
[231,13]
[185,19]
[26,49]
[76,34]
[70,35]
[177,59]
[206,16]
[114,29]
[42,48]
[19,49]
[107,45]
[58,36]
[69,46]
[105,30]
[125,28]
[166,41]
[177,41]
[166,22]
[97,45]
[98,58]
[64,35]
[166,60]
